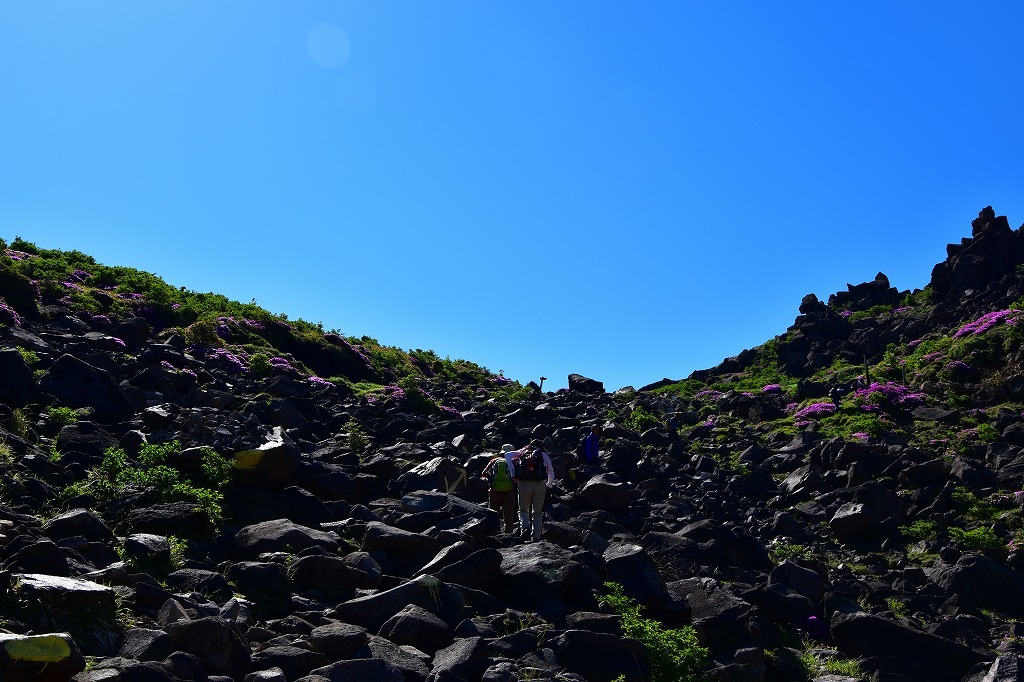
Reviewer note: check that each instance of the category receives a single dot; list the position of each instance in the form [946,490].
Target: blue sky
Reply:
[629,191]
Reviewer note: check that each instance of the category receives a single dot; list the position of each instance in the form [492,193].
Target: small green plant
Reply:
[63,416]
[357,440]
[783,551]
[920,530]
[898,608]
[203,333]
[818,662]
[53,454]
[675,655]
[178,548]
[19,423]
[29,356]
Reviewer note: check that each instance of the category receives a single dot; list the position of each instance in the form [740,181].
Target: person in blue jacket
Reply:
[591,453]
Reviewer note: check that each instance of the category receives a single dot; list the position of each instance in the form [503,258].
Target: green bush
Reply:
[977,538]
[63,416]
[675,655]
[117,475]
[641,419]
[920,530]
[203,334]
[972,506]
[259,363]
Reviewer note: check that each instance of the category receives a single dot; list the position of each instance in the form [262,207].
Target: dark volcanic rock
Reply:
[79,384]
[891,643]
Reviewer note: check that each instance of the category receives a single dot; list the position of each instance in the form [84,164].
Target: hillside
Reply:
[193,488]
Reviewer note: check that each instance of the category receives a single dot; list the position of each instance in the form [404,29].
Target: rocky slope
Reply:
[183,497]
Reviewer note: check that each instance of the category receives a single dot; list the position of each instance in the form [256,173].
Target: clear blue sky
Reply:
[624,190]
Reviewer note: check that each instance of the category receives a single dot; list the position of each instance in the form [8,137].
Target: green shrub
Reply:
[117,475]
[972,506]
[641,419]
[898,608]
[29,356]
[920,530]
[260,363]
[977,538]
[357,440]
[675,655]
[63,416]
[203,333]
[782,551]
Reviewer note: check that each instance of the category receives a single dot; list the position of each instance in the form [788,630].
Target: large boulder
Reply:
[441,474]
[401,547]
[981,583]
[533,573]
[218,645]
[18,386]
[426,591]
[273,463]
[581,384]
[902,650]
[281,535]
[39,658]
[76,383]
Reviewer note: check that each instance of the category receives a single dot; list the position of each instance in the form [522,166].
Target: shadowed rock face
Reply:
[356,541]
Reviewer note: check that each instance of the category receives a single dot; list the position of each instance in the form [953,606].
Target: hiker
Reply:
[501,495]
[836,393]
[533,474]
[673,427]
[588,451]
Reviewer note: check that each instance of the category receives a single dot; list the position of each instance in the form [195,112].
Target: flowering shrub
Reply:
[889,393]
[228,358]
[317,381]
[8,315]
[986,322]
[773,389]
[451,412]
[708,394]
[815,410]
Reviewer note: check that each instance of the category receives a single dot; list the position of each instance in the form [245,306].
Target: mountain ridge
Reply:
[193,488]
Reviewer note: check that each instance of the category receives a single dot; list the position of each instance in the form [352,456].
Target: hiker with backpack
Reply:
[534,475]
[501,495]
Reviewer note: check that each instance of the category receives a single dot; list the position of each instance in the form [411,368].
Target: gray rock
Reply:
[417,627]
[282,535]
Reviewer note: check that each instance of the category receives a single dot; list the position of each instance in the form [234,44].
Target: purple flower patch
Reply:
[816,410]
[18,255]
[772,389]
[891,392]
[317,381]
[8,315]
[708,394]
[986,322]
[451,412]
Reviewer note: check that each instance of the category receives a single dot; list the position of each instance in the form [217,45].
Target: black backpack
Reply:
[530,466]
